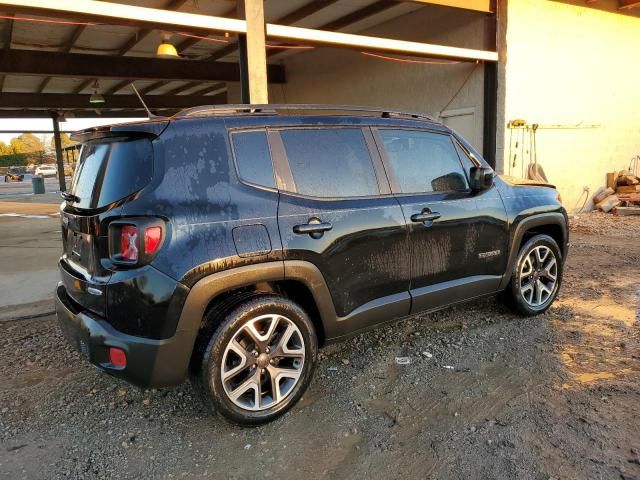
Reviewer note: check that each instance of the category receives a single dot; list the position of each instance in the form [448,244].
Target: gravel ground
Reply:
[486,395]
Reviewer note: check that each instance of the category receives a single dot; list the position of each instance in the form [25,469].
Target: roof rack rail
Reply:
[274,109]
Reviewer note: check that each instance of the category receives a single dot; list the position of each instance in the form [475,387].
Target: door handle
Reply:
[315,228]
[425,216]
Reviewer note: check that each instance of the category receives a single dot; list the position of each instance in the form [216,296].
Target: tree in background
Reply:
[65,140]
[26,143]
[5,149]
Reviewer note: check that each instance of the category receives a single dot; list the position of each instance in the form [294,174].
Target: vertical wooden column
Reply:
[58,143]
[256,51]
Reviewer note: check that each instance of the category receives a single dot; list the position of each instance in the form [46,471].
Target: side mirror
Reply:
[481,178]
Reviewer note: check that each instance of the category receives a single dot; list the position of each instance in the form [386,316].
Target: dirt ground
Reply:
[487,395]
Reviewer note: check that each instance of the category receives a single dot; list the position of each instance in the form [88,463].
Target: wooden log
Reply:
[602,194]
[608,203]
[628,189]
[624,211]
[611,179]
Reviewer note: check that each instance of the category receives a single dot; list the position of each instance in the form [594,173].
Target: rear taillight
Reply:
[134,242]
[129,243]
[152,238]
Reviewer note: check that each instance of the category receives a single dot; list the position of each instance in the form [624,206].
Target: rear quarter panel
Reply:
[195,188]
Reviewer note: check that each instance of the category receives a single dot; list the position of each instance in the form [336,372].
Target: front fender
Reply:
[519,229]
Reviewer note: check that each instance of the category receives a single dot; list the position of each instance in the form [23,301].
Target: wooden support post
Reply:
[256,51]
[58,143]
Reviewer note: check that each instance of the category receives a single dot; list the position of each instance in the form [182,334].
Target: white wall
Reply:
[568,65]
[341,76]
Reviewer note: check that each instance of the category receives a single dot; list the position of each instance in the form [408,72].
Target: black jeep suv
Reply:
[227,243]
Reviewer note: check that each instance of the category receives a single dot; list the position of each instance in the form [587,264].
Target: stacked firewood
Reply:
[622,195]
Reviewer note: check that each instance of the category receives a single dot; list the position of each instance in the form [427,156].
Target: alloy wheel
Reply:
[263,362]
[538,276]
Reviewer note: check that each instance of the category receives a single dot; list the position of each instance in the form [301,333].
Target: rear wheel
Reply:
[259,360]
[536,277]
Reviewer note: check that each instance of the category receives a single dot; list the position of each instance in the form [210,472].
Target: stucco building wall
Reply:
[576,68]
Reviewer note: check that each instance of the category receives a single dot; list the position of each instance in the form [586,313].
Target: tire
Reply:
[253,372]
[533,288]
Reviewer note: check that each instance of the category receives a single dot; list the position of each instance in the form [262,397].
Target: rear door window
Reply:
[330,162]
[422,161]
[108,171]
[253,159]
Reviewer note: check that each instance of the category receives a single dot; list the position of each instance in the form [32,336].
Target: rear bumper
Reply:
[150,363]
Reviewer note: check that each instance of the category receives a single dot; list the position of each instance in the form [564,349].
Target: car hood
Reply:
[525,182]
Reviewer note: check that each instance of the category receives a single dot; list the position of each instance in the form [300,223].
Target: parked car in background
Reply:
[14,174]
[46,170]
[229,243]
[30,168]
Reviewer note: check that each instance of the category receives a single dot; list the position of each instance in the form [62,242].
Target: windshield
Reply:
[111,170]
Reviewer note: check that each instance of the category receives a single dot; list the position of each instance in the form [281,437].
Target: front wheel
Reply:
[259,360]
[536,277]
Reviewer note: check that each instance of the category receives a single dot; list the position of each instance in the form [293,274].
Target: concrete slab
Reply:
[29,250]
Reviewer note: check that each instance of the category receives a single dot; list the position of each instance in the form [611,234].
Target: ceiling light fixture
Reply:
[166,49]
[95,97]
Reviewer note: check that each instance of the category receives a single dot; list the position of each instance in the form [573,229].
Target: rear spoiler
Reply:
[148,129]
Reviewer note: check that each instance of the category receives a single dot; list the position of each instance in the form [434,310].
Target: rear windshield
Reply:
[110,170]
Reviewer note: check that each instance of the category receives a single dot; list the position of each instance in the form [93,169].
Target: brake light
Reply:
[152,237]
[129,243]
[134,242]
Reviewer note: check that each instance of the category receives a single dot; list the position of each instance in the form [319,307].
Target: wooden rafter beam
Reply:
[84,85]
[182,88]
[305,11]
[118,86]
[628,4]
[380,44]
[145,32]
[209,89]
[8,33]
[32,62]
[486,6]
[6,45]
[55,101]
[154,86]
[73,38]
[43,84]
[68,45]
[191,41]
[293,17]
[358,15]
[353,17]
[123,14]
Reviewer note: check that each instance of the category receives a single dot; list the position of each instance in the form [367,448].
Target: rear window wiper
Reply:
[70,197]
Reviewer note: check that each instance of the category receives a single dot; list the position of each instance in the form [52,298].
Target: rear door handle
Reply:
[315,227]
[425,216]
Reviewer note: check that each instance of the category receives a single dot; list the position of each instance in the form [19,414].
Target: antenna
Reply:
[151,115]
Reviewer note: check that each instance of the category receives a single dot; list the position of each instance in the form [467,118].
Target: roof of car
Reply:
[299,110]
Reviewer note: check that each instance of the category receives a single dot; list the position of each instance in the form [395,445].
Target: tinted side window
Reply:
[332,162]
[253,159]
[423,161]
[110,170]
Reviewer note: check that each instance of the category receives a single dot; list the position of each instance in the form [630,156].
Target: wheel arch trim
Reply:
[211,286]
[556,219]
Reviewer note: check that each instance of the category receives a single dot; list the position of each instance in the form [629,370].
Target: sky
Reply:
[26,125]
